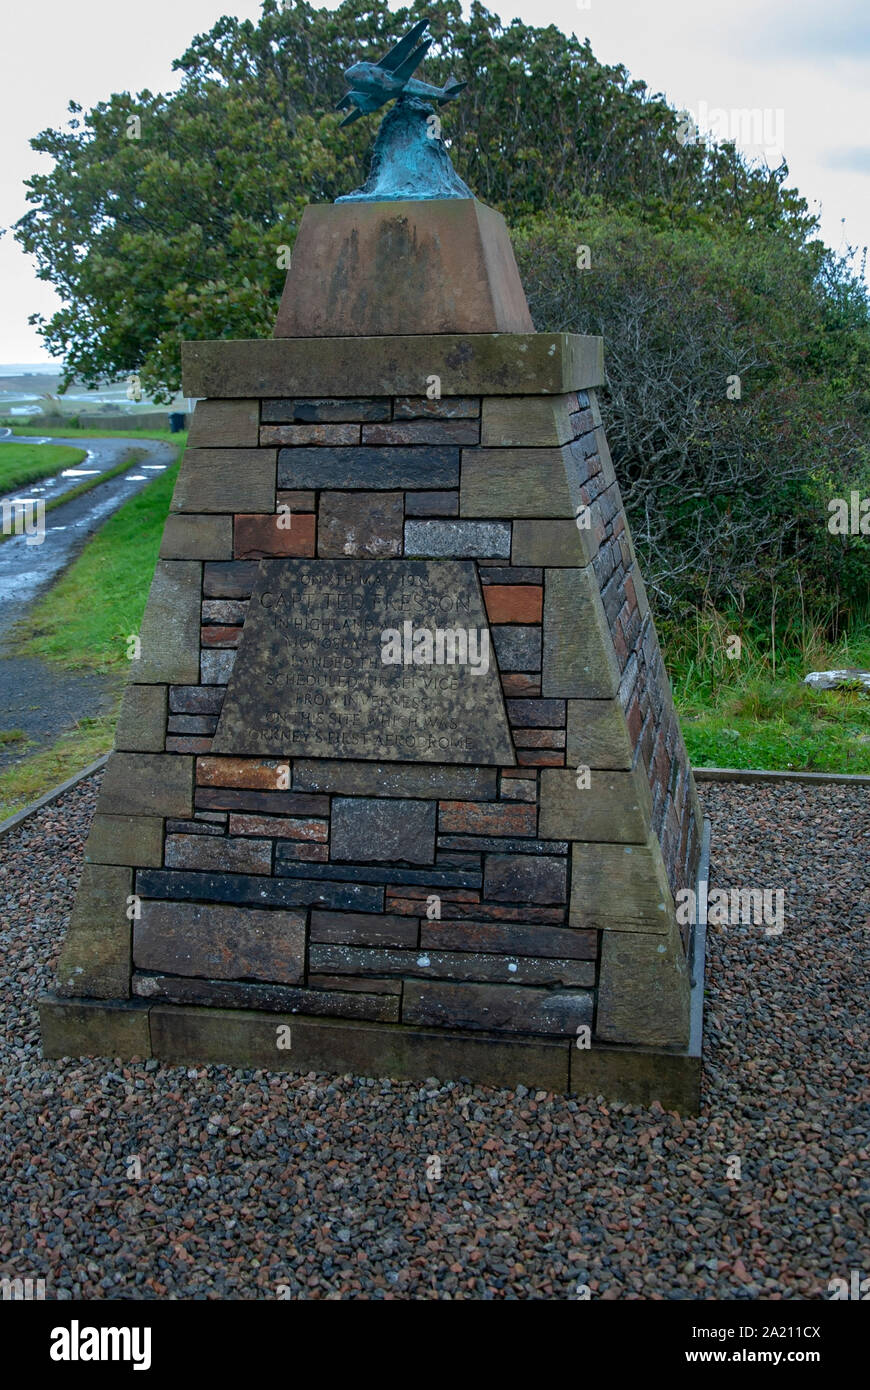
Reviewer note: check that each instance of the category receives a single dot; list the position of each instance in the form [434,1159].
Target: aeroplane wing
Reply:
[347,100]
[406,69]
[354,116]
[397,55]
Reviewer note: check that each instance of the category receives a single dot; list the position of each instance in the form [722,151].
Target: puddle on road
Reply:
[80,472]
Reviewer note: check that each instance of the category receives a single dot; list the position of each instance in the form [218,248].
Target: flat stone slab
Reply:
[342,658]
[245,1038]
[472,364]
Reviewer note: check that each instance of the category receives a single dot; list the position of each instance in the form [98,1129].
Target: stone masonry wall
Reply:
[426,894]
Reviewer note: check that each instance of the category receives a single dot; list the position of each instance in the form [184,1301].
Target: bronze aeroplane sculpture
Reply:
[372,85]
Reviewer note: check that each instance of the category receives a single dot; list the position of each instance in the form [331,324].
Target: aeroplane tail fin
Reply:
[412,62]
[451,90]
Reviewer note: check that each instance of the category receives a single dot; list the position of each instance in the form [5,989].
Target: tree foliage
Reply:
[176,234]
[738,401]
[703,266]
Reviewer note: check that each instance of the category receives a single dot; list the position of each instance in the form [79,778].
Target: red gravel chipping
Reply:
[328,1186]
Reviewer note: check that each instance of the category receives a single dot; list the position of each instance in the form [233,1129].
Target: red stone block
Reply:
[309,434]
[486,818]
[423,432]
[517,685]
[446,408]
[514,603]
[539,738]
[180,743]
[479,912]
[301,849]
[257,536]
[421,894]
[259,774]
[280,827]
[540,757]
[216,636]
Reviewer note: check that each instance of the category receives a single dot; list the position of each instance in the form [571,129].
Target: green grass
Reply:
[84,621]
[74,432]
[25,782]
[756,712]
[21,464]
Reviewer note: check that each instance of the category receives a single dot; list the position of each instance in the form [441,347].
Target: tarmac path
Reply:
[36,697]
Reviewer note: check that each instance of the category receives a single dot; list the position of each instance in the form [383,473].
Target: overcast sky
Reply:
[804,67]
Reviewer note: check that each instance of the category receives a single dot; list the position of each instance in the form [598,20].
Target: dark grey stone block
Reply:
[375,828]
[525,878]
[288,867]
[517,648]
[394,779]
[432,504]
[497,845]
[458,539]
[369,467]
[190,886]
[536,714]
[303,412]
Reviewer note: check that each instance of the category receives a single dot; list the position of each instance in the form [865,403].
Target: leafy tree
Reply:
[738,401]
[176,234]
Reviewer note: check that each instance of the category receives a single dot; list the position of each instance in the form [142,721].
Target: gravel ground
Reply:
[258,1186]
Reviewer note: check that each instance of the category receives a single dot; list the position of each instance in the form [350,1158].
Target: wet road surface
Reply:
[36,697]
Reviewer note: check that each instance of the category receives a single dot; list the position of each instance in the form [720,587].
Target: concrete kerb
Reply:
[757,775]
[56,792]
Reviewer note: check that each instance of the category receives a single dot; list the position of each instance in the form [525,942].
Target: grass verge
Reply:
[84,621]
[755,712]
[75,432]
[27,781]
[21,464]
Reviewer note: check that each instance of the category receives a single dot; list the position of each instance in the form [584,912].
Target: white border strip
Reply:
[745,774]
[53,795]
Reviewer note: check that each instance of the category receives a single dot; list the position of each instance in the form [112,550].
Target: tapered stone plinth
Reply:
[435,266]
[398,775]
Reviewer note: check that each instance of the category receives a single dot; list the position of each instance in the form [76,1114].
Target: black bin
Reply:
[176,421]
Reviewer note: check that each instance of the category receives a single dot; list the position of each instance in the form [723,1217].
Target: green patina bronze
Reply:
[410,159]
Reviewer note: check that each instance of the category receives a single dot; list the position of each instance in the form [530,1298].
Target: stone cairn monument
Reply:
[398,786]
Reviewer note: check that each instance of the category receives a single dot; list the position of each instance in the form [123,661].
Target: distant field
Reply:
[28,463]
[74,432]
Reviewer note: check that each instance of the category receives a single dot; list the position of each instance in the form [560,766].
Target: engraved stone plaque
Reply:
[387,660]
